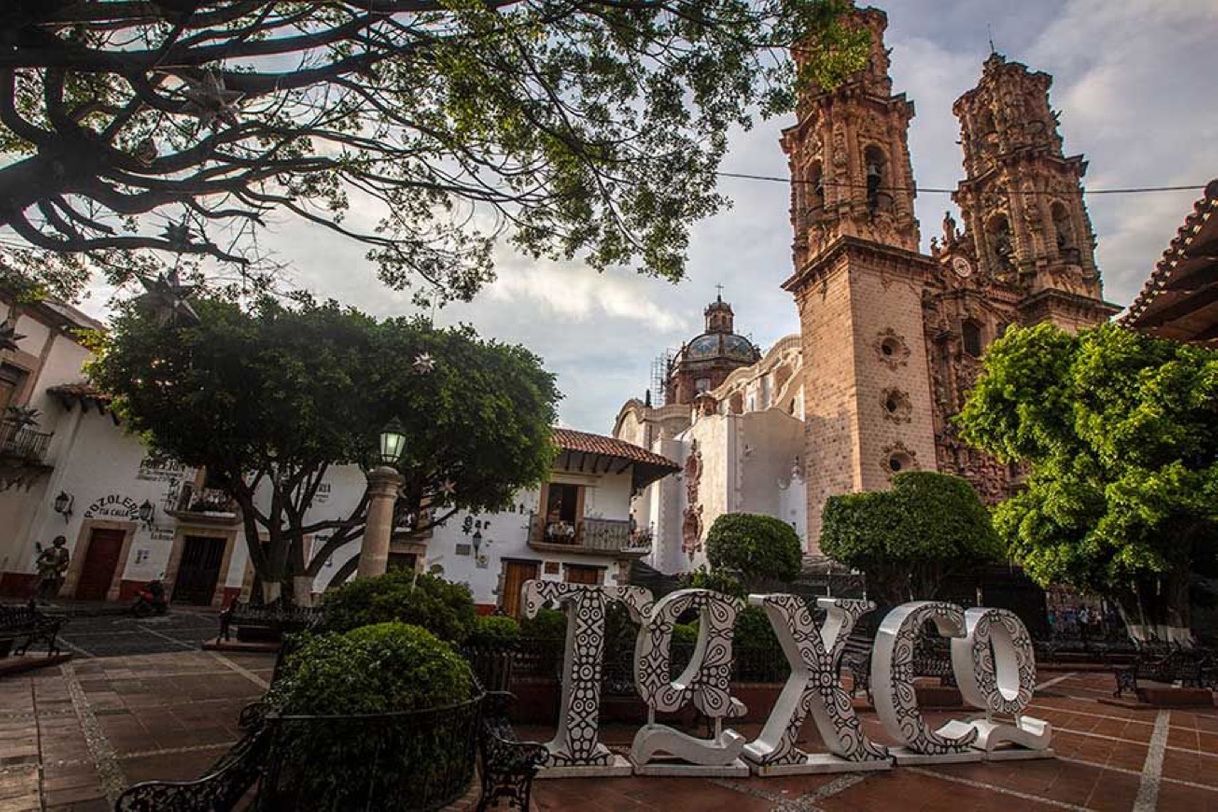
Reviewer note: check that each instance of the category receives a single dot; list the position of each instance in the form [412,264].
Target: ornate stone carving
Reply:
[891,349]
[691,522]
[895,458]
[896,405]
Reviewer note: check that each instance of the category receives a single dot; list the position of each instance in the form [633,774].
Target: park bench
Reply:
[933,658]
[23,625]
[508,765]
[1192,668]
[857,659]
[267,622]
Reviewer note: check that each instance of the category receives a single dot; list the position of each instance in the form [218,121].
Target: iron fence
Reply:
[19,441]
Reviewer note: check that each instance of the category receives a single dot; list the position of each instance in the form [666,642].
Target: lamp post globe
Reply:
[393,442]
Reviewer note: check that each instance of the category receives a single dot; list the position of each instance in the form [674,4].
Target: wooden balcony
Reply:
[606,537]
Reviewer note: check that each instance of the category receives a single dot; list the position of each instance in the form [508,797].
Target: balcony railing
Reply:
[24,443]
[588,535]
[204,504]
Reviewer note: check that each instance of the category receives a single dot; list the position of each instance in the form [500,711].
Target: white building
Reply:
[129,518]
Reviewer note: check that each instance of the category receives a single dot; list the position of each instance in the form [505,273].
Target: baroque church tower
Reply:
[891,337]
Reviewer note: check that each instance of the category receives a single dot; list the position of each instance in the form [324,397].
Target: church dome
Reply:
[709,346]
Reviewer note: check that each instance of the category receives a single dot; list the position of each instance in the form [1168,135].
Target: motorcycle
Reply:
[150,600]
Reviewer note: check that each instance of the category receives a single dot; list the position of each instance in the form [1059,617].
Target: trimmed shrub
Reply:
[494,631]
[445,609]
[910,538]
[718,580]
[756,546]
[548,624]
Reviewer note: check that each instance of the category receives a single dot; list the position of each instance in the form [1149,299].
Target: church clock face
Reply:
[962,267]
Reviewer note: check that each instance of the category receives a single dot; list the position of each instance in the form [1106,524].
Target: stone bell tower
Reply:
[858,282]
[1022,198]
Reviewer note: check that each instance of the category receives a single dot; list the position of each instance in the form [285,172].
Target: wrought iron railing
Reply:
[595,535]
[23,442]
[204,500]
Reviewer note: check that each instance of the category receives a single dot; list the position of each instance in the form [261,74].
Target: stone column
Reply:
[383,484]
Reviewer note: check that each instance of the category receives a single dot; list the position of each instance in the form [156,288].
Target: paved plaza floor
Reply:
[73,736]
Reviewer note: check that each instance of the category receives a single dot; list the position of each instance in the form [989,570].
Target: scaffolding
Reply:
[661,367]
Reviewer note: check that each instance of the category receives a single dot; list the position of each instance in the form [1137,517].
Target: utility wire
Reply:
[1133,190]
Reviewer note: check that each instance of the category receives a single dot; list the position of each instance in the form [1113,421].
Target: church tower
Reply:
[1022,198]
[858,283]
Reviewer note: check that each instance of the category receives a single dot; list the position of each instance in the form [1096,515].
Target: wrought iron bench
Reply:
[857,658]
[267,622]
[28,624]
[508,765]
[1192,668]
[933,658]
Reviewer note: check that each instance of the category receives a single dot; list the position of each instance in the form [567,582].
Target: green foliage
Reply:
[494,631]
[717,580]
[373,669]
[1119,432]
[362,763]
[685,634]
[756,546]
[911,537]
[755,632]
[588,130]
[444,609]
[270,399]
[547,624]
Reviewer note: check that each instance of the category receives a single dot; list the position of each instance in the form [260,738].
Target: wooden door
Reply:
[198,570]
[576,574]
[101,559]
[515,573]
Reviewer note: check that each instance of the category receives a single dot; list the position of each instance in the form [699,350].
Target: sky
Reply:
[1132,79]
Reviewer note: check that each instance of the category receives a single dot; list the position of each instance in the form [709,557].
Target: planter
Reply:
[413,760]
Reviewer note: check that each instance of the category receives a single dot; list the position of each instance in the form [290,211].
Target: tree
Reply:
[1119,432]
[579,127]
[754,547]
[269,401]
[909,539]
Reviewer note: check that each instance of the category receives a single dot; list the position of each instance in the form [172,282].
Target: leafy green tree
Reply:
[445,609]
[910,538]
[583,128]
[270,401]
[753,546]
[1119,433]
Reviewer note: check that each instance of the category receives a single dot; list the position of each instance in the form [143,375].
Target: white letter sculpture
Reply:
[892,685]
[575,749]
[996,668]
[813,687]
[704,682]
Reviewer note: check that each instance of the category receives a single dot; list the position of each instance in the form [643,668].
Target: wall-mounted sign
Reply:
[161,534]
[159,470]
[991,657]
[114,506]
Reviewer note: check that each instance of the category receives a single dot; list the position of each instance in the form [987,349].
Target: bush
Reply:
[910,538]
[685,634]
[494,631]
[756,546]
[444,609]
[548,624]
[717,580]
[322,762]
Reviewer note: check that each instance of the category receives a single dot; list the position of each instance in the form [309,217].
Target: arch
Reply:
[999,228]
[816,189]
[875,169]
[970,334]
[1067,245]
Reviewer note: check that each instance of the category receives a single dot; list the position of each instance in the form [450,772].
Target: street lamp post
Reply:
[383,484]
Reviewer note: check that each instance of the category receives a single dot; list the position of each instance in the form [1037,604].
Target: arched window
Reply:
[970,332]
[736,403]
[1000,240]
[876,169]
[816,189]
[987,133]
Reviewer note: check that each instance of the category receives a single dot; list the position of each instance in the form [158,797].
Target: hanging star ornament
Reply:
[208,100]
[448,487]
[423,363]
[166,298]
[9,336]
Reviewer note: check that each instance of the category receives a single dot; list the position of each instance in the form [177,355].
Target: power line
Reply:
[1132,190]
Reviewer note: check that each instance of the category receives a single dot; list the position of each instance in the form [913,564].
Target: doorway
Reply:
[101,560]
[515,573]
[198,570]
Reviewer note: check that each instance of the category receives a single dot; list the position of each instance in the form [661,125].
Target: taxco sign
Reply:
[991,656]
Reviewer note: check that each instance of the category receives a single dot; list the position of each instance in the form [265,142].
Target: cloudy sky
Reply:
[1134,82]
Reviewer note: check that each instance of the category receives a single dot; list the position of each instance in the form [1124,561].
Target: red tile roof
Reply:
[80,391]
[582,441]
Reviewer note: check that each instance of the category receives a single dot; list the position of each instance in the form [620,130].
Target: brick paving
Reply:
[73,736]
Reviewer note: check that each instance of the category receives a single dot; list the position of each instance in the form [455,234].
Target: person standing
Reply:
[52,567]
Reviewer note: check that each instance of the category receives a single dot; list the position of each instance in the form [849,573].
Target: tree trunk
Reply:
[302,590]
[271,590]
[1157,608]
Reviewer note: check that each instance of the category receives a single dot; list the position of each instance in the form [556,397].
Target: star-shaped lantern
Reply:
[9,336]
[448,487]
[207,99]
[423,363]
[167,299]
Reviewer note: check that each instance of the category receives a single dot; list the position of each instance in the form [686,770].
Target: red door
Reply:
[101,559]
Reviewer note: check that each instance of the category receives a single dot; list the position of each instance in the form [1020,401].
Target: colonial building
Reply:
[890,338]
[128,517]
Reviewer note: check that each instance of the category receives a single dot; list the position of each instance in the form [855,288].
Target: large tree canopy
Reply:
[909,539]
[588,129]
[269,401]
[1120,435]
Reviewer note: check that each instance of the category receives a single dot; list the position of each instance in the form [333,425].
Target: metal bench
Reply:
[267,621]
[23,625]
[1192,668]
[508,765]
[857,659]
